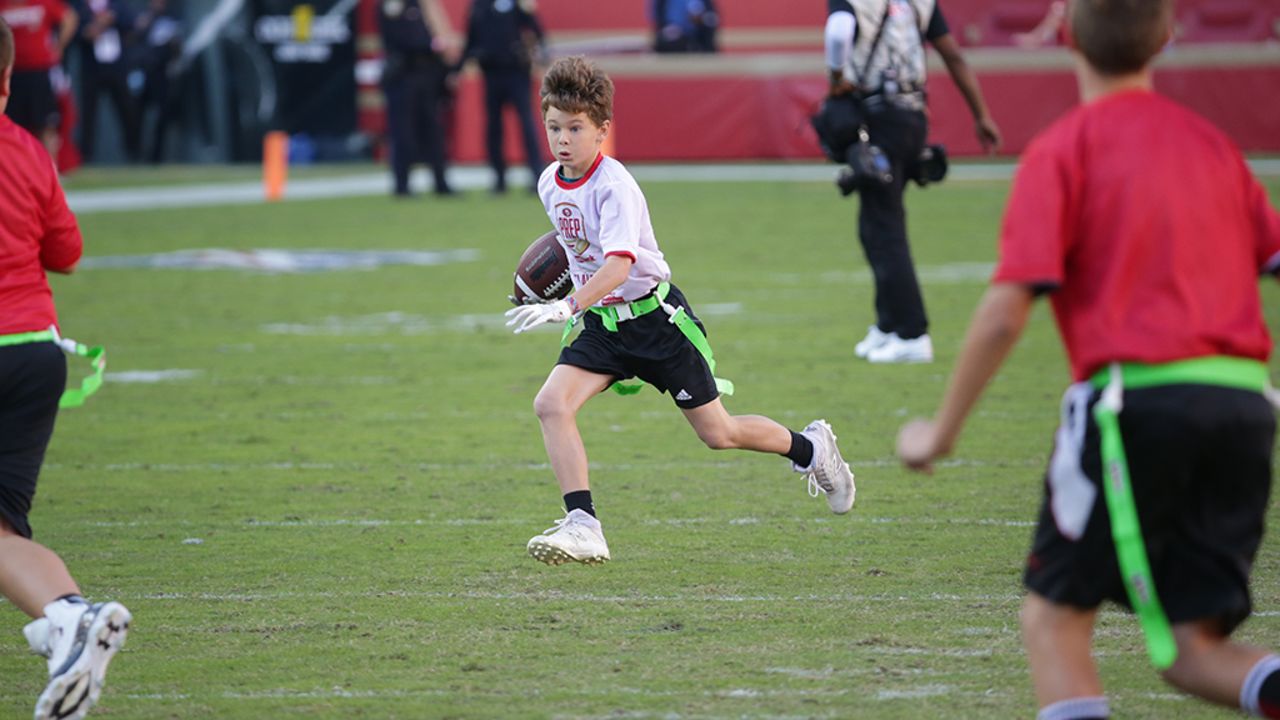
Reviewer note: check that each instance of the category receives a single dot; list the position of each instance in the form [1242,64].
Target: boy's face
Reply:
[574,140]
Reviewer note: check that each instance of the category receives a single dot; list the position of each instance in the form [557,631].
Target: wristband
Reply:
[574,307]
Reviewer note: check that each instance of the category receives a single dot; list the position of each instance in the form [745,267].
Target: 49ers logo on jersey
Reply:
[572,228]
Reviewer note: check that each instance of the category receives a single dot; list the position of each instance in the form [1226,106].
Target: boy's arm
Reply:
[610,275]
[61,245]
[996,326]
[1266,222]
[607,279]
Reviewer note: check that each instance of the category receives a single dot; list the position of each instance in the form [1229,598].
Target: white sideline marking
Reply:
[250,192]
[270,260]
[526,522]
[558,596]
[915,693]
[957,273]
[533,467]
[150,376]
[410,324]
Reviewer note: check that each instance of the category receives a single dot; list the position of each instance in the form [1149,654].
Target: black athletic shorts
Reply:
[646,347]
[1200,467]
[32,378]
[32,105]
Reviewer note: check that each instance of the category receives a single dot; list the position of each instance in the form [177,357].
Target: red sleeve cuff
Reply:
[622,253]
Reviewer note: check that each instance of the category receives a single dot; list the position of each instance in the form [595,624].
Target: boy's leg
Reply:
[812,451]
[1210,666]
[563,394]
[1058,639]
[722,431]
[31,575]
[578,537]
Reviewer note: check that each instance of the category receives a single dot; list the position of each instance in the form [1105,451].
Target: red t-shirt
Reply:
[33,23]
[1146,221]
[37,231]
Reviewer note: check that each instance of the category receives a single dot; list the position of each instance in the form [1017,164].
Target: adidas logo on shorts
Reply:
[683,395]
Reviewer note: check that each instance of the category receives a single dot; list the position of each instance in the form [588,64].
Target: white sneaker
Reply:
[874,339]
[897,350]
[577,537]
[79,640]
[828,472]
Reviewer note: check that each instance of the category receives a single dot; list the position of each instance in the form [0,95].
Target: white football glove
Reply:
[527,317]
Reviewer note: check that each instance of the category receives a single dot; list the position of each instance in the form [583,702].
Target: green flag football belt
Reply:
[1126,533]
[611,315]
[97,356]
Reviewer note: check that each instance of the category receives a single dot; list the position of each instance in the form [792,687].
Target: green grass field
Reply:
[325,515]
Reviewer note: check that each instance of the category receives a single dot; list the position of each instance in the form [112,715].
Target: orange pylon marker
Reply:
[275,164]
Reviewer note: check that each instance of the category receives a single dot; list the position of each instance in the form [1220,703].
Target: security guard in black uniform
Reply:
[505,37]
[413,80]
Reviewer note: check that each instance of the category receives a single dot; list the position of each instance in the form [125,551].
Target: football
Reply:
[543,272]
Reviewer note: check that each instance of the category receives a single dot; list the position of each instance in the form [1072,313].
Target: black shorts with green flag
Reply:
[1200,466]
[646,347]
[32,378]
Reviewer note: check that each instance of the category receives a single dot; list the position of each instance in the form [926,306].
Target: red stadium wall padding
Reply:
[632,15]
[690,118]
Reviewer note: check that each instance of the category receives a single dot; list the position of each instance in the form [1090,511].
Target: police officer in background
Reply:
[415,39]
[875,50]
[505,38]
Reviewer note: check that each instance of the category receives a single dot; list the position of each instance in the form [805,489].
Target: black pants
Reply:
[32,104]
[882,224]
[413,91]
[503,87]
[32,377]
[112,80]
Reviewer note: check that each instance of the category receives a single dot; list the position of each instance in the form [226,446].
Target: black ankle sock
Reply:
[801,452]
[1269,696]
[579,500]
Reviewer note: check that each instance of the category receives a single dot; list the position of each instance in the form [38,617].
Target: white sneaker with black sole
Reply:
[897,350]
[79,641]
[828,472]
[874,339]
[577,537]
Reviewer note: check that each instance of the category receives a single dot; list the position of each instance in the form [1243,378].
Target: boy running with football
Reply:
[635,323]
[1144,223]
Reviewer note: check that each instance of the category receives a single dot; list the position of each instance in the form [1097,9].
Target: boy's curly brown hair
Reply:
[576,85]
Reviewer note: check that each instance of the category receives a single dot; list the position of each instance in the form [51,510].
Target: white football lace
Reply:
[559,525]
[814,488]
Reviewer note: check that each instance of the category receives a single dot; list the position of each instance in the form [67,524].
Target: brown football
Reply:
[543,272]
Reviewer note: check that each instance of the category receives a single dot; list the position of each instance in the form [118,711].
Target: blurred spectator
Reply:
[505,38]
[42,29]
[684,25]
[107,25]
[1048,31]
[159,41]
[416,35]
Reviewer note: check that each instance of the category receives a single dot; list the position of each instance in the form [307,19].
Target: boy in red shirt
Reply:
[38,233]
[1143,222]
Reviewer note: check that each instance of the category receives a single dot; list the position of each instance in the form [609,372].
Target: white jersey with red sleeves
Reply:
[604,213]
